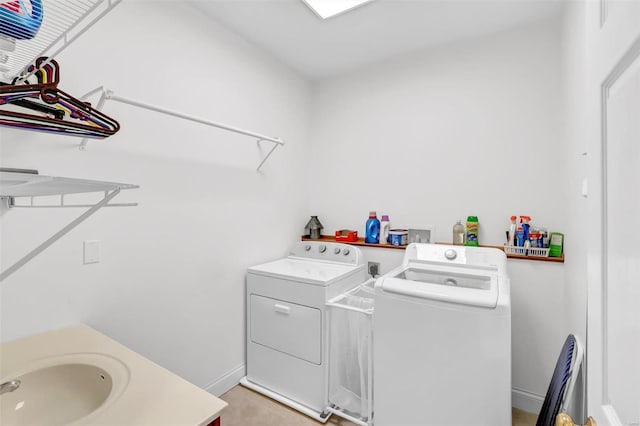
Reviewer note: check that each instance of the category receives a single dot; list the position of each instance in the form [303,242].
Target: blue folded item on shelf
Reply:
[20,22]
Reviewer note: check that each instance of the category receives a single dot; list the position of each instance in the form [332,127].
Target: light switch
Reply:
[91,251]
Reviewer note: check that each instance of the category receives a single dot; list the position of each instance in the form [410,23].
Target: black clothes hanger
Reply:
[38,104]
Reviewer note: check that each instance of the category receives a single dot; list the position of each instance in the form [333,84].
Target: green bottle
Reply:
[556,241]
[472,231]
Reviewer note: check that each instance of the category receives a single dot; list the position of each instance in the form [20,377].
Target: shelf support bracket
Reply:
[273,148]
[33,253]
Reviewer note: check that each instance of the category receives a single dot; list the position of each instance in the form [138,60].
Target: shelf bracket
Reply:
[106,94]
[273,148]
[108,195]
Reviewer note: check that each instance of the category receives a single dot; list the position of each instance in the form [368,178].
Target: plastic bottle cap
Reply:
[385,218]
[372,214]
[513,218]
[472,219]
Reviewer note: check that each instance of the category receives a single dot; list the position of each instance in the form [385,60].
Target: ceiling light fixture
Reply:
[329,8]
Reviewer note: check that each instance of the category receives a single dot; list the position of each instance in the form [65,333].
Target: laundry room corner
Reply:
[171,275]
[436,137]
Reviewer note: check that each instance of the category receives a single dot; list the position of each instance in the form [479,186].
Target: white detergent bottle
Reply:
[458,233]
[384,229]
[511,239]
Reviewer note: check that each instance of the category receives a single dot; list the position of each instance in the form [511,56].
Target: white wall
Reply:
[171,281]
[470,128]
[574,84]
[575,70]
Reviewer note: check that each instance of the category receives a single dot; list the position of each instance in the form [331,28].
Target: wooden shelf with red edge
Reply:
[360,242]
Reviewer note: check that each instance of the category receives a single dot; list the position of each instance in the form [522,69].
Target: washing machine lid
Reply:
[306,271]
[468,287]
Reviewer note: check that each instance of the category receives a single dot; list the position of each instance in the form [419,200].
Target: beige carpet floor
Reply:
[249,408]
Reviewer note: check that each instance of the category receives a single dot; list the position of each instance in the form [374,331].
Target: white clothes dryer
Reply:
[442,339]
[287,334]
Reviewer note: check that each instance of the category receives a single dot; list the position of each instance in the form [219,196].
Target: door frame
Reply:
[597,383]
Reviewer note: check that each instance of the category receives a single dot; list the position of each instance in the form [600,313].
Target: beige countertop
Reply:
[143,392]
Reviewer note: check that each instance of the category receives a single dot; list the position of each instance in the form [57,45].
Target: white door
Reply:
[613,329]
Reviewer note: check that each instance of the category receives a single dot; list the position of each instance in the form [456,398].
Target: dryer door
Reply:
[287,327]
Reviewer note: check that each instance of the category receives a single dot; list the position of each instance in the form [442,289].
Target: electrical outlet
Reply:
[373,268]
[420,235]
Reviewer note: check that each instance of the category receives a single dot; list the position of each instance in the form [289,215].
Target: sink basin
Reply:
[77,376]
[62,390]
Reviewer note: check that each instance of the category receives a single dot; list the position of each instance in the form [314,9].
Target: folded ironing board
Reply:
[562,382]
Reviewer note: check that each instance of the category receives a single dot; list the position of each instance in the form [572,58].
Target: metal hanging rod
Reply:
[106,94]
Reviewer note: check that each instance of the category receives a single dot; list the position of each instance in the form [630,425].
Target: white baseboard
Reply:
[526,401]
[520,399]
[226,381]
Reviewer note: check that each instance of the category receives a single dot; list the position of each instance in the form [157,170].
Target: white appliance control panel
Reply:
[328,251]
[457,255]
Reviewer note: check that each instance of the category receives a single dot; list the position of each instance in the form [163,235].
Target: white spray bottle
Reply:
[512,232]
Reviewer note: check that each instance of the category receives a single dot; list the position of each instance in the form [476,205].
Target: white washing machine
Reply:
[287,334]
[442,339]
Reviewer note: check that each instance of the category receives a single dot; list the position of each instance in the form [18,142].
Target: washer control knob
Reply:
[336,250]
[307,247]
[450,254]
[322,248]
[345,252]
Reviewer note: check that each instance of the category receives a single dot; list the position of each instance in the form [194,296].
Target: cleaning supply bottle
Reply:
[545,239]
[525,226]
[20,22]
[384,229]
[520,235]
[372,231]
[458,233]
[512,232]
[556,242]
[472,231]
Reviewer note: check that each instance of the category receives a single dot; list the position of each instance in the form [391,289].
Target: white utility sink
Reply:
[78,376]
[61,390]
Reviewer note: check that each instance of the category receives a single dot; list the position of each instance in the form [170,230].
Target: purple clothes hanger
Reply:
[50,109]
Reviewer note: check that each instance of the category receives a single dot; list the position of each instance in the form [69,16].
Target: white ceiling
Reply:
[375,32]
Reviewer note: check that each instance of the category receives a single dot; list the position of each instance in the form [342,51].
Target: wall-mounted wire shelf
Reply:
[106,94]
[63,21]
[18,185]
[30,184]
